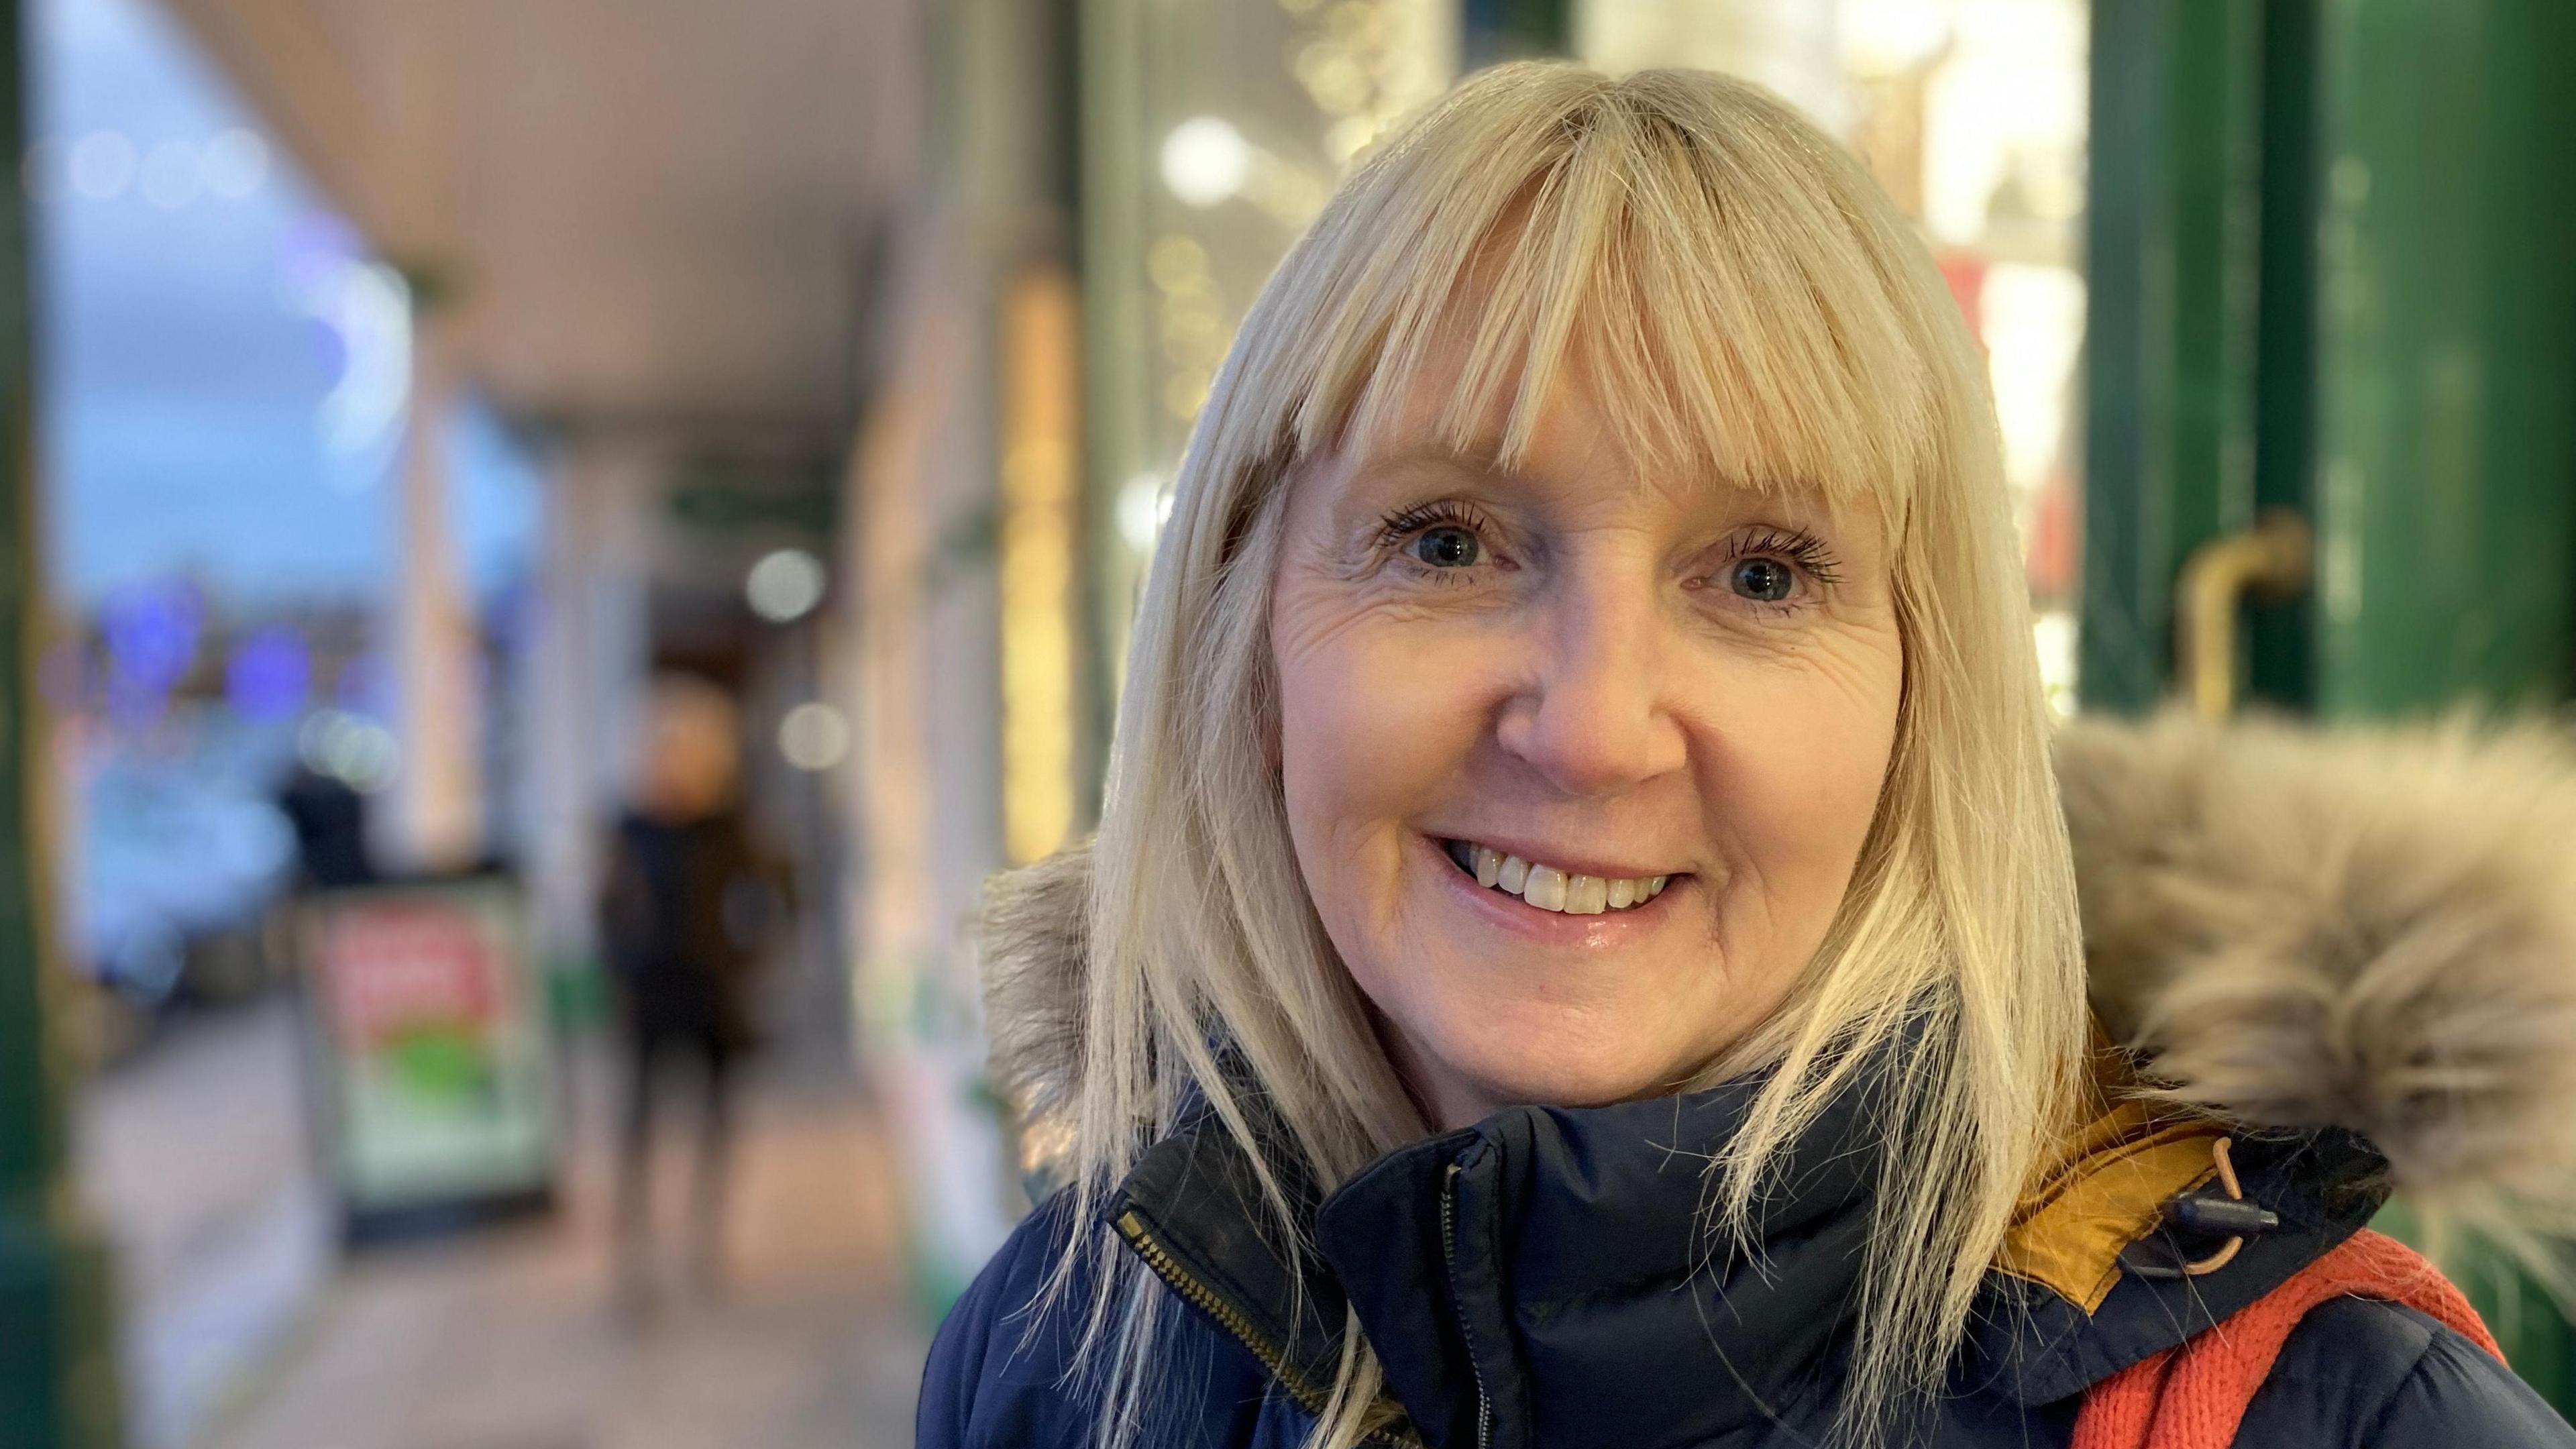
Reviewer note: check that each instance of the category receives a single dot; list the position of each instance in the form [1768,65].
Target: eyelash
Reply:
[1400,526]
[1800,547]
[1796,545]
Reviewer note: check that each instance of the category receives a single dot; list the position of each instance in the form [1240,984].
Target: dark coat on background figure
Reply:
[685,913]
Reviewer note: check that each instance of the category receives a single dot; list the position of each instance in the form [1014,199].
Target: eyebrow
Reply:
[1431,458]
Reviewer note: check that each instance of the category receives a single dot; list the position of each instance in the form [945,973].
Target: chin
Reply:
[1545,1063]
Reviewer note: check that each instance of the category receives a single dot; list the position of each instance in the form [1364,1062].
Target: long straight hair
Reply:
[1746,305]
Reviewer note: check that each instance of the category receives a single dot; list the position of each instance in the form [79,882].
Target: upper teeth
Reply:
[1551,889]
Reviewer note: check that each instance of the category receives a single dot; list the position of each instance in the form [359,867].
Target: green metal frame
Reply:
[2333,268]
[1492,31]
[2447,512]
[1109,110]
[57,1367]
[2171,352]
[2281,648]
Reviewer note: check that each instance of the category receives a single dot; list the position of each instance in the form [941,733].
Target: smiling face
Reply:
[1577,759]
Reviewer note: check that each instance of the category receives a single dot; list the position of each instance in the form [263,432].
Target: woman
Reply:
[1582,947]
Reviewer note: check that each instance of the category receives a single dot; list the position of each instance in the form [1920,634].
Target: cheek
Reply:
[1377,716]
[1805,750]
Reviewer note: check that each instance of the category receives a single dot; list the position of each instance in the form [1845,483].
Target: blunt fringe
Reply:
[1746,305]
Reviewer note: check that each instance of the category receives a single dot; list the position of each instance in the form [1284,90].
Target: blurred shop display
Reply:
[1973,115]
[433,1081]
[1213,135]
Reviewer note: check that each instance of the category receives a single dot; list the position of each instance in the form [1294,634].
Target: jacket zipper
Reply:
[1212,1303]
[1208,1301]
[1449,1248]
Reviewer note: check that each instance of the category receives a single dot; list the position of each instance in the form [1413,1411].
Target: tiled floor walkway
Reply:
[195,1163]
[514,1339]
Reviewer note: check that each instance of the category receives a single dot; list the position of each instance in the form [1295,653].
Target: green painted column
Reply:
[2446,509]
[57,1376]
[2281,635]
[2171,361]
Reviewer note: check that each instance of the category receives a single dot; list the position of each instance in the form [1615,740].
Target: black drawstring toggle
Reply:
[2200,1213]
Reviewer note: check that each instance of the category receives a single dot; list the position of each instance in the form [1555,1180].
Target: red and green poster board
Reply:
[435,1070]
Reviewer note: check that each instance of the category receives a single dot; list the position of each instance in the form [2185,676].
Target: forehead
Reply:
[1565,439]
[1524,372]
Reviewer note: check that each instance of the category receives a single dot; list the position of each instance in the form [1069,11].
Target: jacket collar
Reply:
[2032,1343]
[1509,1273]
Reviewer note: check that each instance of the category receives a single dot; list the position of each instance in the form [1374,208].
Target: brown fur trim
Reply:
[1036,943]
[2372,928]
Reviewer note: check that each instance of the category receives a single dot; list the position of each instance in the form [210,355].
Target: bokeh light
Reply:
[102,164]
[786,584]
[1206,160]
[350,748]
[152,634]
[270,675]
[813,737]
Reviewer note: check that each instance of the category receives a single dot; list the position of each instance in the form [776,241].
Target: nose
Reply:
[1595,716]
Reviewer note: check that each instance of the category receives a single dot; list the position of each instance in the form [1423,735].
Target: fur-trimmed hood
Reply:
[2292,927]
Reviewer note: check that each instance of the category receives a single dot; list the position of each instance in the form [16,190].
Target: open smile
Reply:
[1549,887]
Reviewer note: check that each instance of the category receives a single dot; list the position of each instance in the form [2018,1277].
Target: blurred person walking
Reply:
[688,902]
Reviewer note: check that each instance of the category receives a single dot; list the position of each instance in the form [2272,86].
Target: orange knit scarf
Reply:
[2194,1396]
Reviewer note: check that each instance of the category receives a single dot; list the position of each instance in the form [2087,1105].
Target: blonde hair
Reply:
[1747,305]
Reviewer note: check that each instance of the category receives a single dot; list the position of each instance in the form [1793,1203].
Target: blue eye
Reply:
[1763,580]
[1447,548]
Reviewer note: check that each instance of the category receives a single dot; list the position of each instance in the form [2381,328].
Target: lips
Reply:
[1549,887]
